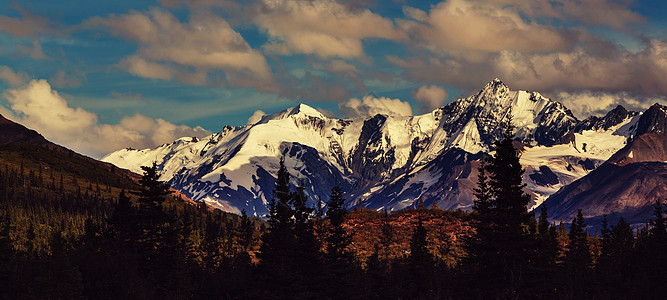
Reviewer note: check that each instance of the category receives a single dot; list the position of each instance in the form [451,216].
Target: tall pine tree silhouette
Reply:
[340,260]
[277,260]
[578,258]
[503,245]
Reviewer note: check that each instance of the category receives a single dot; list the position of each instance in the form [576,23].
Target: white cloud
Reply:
[584,104]
[169,49]
[593,66]
[611,13]
[431,96]
[12,78]
[370,106]
[144,68]
[322,27]
[256,116]
[471,29]
[41,108]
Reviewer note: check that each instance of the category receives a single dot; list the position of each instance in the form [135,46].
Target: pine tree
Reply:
[655,251]
[277,261]
[158,242]
[420,263]
[338,240]
[341,267]
[247,231]
[307,252]
[503,244]
[658,231]
[578,257]
[124,221]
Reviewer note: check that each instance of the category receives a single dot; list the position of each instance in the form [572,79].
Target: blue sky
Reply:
[101,75]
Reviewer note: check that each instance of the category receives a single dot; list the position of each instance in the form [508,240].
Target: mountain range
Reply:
[388,162]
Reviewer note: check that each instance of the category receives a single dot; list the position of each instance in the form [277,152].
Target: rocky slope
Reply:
[387,162]
[628,183]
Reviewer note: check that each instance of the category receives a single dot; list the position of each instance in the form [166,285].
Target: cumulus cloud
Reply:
[256,117]
[322,27]
[12,78]
[169,49]
[371,105]
[473,28]
[587,103]
[430,96]
[612,13]
[37,106]
[643,74]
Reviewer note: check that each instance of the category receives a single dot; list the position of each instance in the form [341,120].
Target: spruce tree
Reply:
[578,258]
[307,255]
[338,240]
[341,270]
[420,263]
[658,231]
[503,245]
[655,265]
[277,261]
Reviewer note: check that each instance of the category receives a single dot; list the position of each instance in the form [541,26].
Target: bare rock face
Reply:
[653,119]
[647,147]
[628,190]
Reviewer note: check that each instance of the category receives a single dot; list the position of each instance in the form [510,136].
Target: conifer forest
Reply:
[72,229]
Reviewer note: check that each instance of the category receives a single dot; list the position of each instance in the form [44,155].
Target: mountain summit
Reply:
[385,162]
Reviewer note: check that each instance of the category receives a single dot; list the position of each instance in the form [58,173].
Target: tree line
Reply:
[62,242]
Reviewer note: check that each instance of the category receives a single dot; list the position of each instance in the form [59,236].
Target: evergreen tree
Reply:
[341,267]
[247,231]
[158,244]
[578,258]
[124,221]
[503,244]
[307,251]
[338,240]
[420,264]
[277,261]
[658,231]
[655,253]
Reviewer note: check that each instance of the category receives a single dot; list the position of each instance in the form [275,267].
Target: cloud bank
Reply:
[188,52]
[39,107]
[430,96]
[370,106]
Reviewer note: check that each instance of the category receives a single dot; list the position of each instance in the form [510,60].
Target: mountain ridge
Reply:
[383,157]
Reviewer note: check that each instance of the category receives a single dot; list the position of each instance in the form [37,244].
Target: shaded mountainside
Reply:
[628,184]
[13,133]
[388,162]
[629,190]
[374,159]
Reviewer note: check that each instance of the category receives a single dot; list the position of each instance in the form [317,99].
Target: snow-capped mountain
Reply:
[385,162]
[628,183]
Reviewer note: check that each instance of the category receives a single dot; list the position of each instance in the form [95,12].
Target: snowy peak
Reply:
[614,117]
[653,119]
[378,158]
[539,120]
[306,110]
[300,111]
